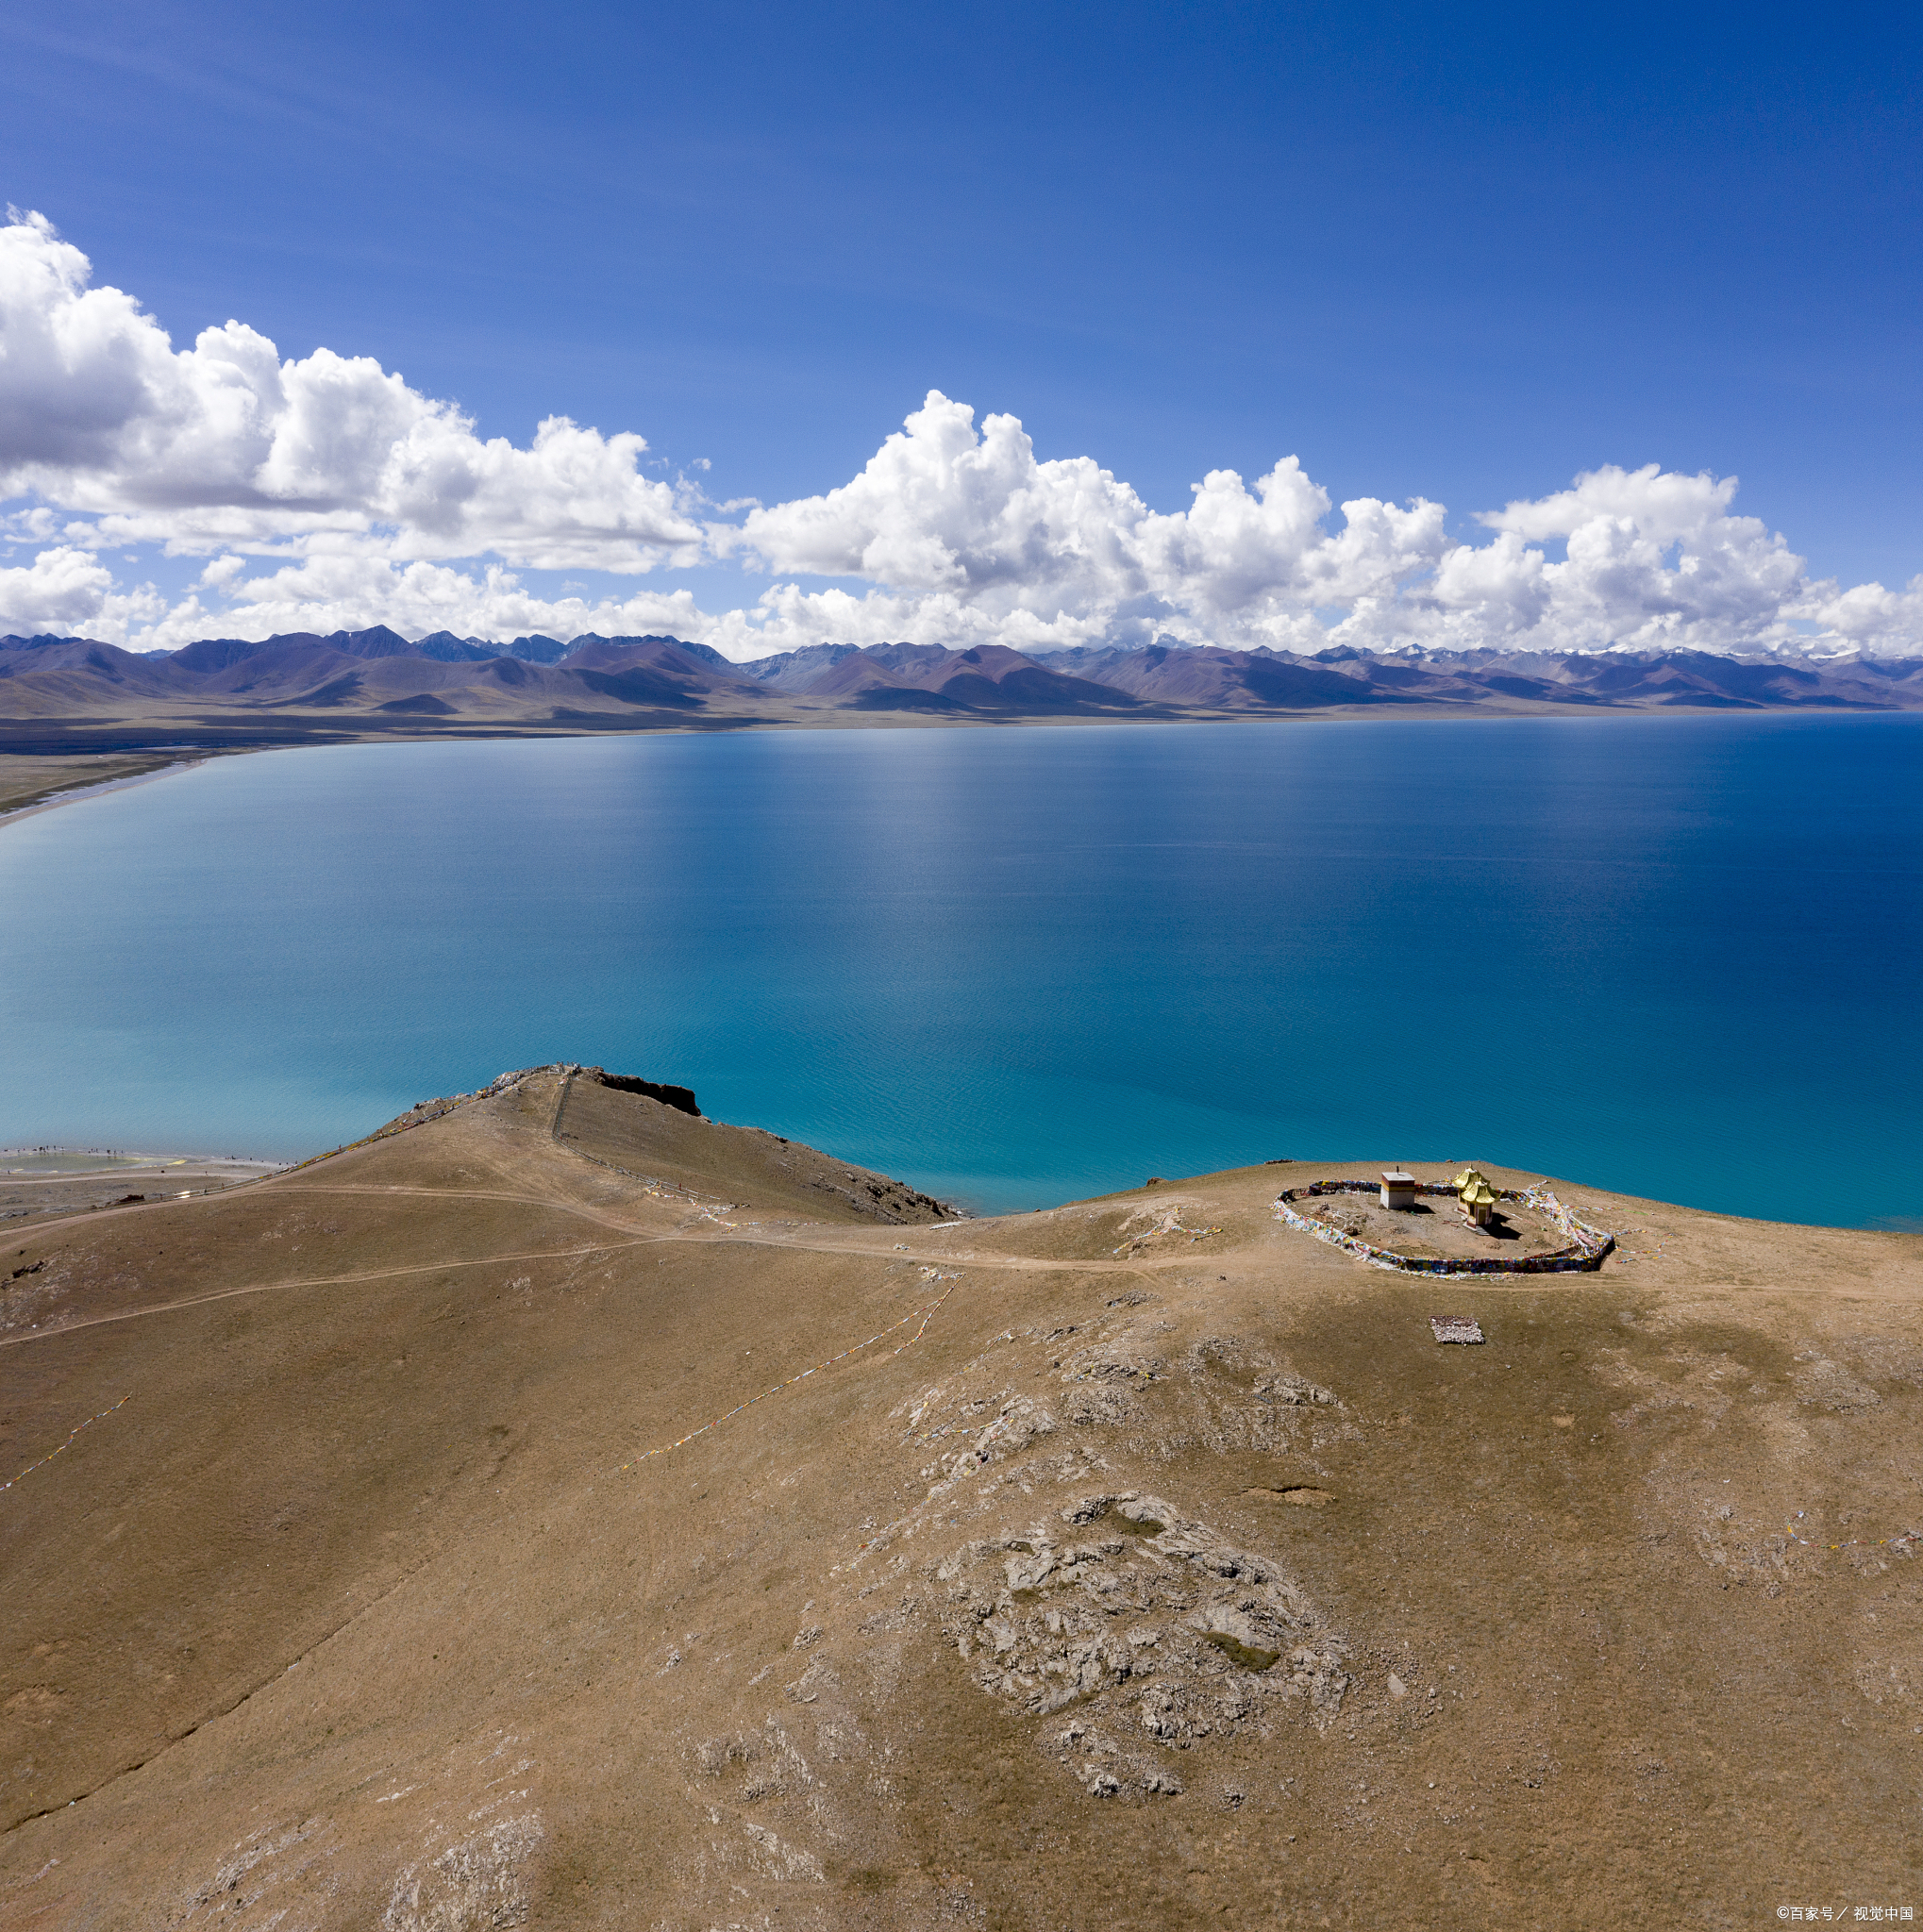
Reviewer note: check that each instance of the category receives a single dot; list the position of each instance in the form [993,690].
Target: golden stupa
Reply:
[1477,1196]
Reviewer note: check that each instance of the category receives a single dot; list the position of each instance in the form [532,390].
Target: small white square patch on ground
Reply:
[1455,1328]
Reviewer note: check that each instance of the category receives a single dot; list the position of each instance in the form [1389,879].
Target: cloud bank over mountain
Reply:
[326,493]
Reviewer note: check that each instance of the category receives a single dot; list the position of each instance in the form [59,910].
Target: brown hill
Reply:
[1240,680]
[988,679]
[568,1512]
[797,669]
[74,673]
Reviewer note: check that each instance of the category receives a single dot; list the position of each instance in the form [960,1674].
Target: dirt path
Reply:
[224,1294]
[556,1200]
[601,1217]
[637,1238]
[806,1243]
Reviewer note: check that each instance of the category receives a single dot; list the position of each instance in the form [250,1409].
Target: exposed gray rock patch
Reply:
[1827,1384]
[479,1883]
[1144,1618]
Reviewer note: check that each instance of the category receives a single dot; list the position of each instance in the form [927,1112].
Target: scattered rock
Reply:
[1828,1385]
[718,1754]
[1040,1623]
[481,1881]
[1296,1390]
[780,1860]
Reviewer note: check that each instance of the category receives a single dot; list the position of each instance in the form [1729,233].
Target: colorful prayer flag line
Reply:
[68,1443]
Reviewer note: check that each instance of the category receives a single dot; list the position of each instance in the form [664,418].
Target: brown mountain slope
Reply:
[63,676]
[915,677]
[1243,680]
[72,697]
[664,1145]
[1141,1562]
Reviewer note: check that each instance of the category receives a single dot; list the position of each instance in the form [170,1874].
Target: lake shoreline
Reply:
[53,801]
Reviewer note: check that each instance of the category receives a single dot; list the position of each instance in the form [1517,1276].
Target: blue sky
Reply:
[1456,254]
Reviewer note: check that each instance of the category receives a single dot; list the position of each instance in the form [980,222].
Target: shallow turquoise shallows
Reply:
[1675,956]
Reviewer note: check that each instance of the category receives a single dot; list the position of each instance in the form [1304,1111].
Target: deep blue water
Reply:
[1674,957]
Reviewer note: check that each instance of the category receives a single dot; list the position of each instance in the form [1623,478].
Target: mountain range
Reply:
[75,694]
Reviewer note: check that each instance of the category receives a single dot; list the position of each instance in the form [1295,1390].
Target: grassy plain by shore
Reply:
[28,780]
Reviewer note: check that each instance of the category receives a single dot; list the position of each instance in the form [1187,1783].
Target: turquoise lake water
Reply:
[1675,957]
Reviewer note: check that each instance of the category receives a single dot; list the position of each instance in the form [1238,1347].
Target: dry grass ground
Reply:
[1154,1567]
[1436,1229]
[26,781]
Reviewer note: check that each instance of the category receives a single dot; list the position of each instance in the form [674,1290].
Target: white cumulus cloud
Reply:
[226,444]
[972,536]
[969,519]
[327,494]
[65,591]
[330,594]
[1652,559]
